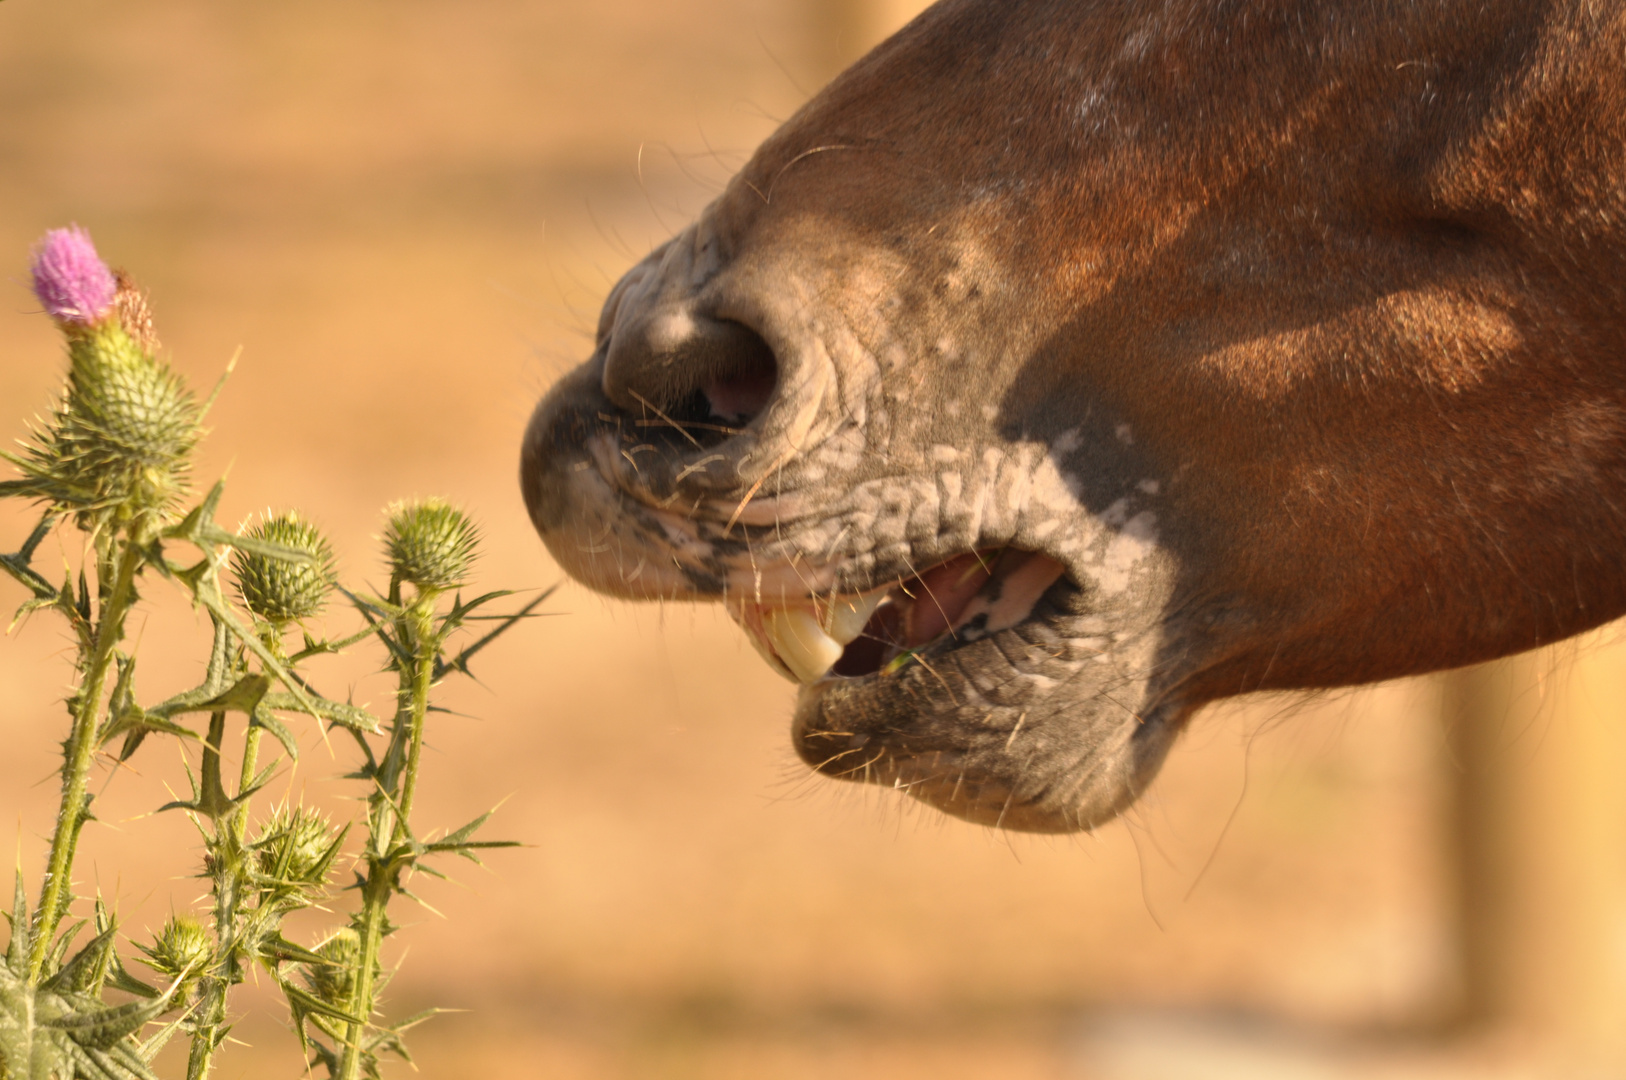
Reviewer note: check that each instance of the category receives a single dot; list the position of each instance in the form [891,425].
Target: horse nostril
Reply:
[736,395]
[689,368]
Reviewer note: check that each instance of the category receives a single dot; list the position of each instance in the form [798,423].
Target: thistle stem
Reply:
[272,639]
[226,854]
[422,616]
[375,898]
[391,821]
[80,753]
[251,756]
[230,856]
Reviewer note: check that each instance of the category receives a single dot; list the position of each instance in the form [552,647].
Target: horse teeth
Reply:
[764,650]
[800,642]
[850,614]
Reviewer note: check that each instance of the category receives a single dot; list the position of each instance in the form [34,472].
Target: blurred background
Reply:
[405,214]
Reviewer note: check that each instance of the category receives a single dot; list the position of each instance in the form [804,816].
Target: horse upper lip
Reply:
[964,597]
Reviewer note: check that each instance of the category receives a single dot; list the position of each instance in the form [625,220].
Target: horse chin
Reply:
[982,686]
[1071,760]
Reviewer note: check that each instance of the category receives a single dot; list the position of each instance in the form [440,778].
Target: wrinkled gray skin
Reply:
[892,442]
[859,473]
[1074,277]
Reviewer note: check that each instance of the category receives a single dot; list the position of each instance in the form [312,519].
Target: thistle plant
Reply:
[112,461]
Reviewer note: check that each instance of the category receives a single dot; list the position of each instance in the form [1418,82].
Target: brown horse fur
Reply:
[1294,330]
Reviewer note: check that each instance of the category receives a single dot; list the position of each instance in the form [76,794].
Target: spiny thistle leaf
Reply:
[337,712]
[46,1035]
[22,941]
[101,1028]
[310,1004]
[375,612]
[462,842]
[148,1050]
[267,720]
[17,564]
[460,611]
[88,968]
[277,948]
[59,949]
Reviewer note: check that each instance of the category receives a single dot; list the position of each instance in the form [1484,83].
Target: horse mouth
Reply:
[882,631]
[993,678]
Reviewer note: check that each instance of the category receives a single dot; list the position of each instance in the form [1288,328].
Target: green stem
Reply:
[272,639]
[251,762]
[230,855]
[251,751]
[227,856]
[79,754]
[375,898]
[391,821]
[423,637]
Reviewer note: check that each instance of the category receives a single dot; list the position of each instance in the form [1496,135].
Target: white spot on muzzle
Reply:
[1136,541]
[671,329]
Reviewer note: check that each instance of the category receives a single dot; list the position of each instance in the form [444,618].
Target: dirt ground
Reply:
[405,213]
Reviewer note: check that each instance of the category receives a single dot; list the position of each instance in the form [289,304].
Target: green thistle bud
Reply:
[116,449]
[334,981]
[294,844]
[182,948]
[430,543]
[119,444]
[278,590]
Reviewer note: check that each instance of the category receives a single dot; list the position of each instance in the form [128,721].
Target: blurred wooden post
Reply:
[850,28]
[1539,742]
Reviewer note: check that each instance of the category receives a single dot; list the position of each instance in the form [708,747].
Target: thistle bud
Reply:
[282,591]
[430,544]
[182,950]
[118,445]
[334,981]
[294,845]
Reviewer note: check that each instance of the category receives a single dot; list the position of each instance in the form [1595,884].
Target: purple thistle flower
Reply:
[70,278]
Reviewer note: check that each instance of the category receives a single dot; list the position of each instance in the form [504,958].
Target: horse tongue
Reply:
[941,595]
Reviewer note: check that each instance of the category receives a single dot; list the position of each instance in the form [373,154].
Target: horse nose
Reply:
[690,366]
